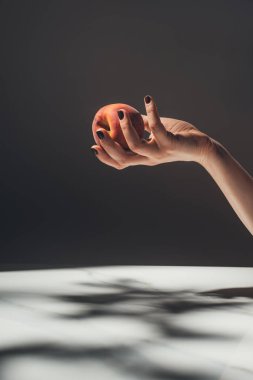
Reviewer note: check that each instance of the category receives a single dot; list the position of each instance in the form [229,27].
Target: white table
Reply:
[131,322]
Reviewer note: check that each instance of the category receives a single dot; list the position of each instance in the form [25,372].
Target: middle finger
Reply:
[135,143]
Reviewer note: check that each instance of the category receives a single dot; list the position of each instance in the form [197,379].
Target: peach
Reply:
[107,118]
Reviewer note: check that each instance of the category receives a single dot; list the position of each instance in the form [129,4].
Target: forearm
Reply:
[233,180]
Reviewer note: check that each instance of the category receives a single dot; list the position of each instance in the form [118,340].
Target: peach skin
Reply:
[107,118]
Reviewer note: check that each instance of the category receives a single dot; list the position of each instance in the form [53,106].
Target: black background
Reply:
[60,62]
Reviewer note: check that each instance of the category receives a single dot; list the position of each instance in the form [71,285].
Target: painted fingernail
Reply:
[100,135]
[94,150]
[147,99]
[121,115]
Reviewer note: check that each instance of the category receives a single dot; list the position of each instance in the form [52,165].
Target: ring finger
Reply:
[114,150]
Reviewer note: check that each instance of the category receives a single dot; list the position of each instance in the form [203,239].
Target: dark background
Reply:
[60,62]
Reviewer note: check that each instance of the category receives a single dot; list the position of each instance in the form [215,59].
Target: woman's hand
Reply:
[169,140]
[176,140]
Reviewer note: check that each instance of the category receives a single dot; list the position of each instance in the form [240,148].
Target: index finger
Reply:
[154,122]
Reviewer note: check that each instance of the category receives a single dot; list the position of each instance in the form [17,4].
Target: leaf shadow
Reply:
[150,306]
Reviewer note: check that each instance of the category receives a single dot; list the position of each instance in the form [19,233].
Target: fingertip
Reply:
[94,150]
[147,99]
[121,114]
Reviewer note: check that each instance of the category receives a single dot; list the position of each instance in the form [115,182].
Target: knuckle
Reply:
[119,167]
[122,160]
[151,162]
[135,146]
[159,154]
[153,125]
[156,124]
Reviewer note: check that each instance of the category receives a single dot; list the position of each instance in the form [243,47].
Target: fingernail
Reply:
[100,135]
[147,99]
[95,151]
[121,115]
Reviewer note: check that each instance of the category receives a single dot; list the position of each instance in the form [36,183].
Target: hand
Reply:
[169,140]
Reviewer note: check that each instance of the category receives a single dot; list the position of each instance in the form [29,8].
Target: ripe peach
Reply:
[107,118]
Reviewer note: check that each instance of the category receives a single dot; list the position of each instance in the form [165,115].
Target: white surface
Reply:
[127,323]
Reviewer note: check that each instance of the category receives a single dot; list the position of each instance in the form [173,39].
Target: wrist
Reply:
[210,150]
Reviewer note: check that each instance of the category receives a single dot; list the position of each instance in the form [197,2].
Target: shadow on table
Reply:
[163,307]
